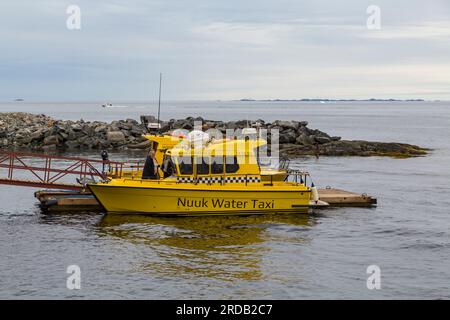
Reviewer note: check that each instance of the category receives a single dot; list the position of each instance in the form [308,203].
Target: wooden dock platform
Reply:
[342,198]
[54,201]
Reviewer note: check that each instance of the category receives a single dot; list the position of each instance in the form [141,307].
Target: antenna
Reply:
[159,100]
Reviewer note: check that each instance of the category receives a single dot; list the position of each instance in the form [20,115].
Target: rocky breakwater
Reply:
[40,132]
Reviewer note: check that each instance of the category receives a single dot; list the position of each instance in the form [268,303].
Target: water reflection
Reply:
[225,248]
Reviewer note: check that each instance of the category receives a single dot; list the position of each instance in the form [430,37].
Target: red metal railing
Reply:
[52,169]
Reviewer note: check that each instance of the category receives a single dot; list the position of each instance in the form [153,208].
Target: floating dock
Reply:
[52,200]
[57,201]
[342,198]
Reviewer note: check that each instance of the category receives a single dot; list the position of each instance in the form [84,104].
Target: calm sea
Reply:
[324,255]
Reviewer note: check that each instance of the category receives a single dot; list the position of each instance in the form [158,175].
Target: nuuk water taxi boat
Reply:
[218,177]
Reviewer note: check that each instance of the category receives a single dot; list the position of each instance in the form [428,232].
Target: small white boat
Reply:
[110,105]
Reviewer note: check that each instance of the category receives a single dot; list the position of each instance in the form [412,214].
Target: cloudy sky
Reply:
[211,49]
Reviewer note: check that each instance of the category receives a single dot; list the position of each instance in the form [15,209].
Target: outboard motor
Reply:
[314,193]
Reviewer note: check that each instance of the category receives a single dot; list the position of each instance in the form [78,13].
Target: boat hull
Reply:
[197,201]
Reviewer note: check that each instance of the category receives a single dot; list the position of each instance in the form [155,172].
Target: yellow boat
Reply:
[219,177]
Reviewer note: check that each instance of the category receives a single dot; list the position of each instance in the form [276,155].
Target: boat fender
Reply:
[314,193]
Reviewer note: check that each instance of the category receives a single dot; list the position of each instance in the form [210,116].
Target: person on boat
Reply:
[150,170]
[168,167]
[105,159]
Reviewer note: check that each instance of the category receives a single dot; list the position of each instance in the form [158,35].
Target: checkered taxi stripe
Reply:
[209,180]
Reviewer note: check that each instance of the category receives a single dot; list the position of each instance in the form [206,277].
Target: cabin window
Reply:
[231,165]
[202,166]
[185,165]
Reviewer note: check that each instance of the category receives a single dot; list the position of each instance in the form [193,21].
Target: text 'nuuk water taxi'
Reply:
[217,177]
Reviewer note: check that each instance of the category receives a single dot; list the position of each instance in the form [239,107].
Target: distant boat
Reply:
[18,100]
[110,105]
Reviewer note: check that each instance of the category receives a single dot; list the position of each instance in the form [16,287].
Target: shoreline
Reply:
[38,132]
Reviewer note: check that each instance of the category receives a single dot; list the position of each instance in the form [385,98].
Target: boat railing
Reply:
[299,176]
[131,168]
[284,164]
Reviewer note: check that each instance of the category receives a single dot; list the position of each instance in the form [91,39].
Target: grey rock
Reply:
[113,128]
[142,145]
[76,127]
[304,139]
[187,126]
[72,144]
[50,140]
[115,137]
[287,137]
[50,147]
[132,122]
[101,128]
[38,135]
[286,124]
[136,131]
[322,139]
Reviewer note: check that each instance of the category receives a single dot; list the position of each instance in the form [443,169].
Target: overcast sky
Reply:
[227,49]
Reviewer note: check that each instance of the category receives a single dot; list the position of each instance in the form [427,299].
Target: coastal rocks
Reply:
[39,132]
[354,148]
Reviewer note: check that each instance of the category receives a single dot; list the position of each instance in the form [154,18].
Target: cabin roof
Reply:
[164,141]
[218,147]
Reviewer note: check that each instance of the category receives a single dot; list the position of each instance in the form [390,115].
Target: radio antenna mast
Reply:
[159,100]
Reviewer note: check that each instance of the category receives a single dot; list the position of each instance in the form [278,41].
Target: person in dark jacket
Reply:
[150,171]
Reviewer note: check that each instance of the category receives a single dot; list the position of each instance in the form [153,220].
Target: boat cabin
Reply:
[230,160]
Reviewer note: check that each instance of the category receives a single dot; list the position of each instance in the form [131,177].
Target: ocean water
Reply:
[322,255]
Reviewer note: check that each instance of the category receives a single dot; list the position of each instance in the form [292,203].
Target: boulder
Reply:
[304,139]
[38,135]
[76,127]
[136,131]
[132,121]
[302,123]
[322,139]
[72,144]
[115,137]
[142,145]
[286,124]
[287,137]
[187,126]
[50,140]
[100,128]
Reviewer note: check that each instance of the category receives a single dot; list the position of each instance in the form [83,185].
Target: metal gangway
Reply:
[53,171]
